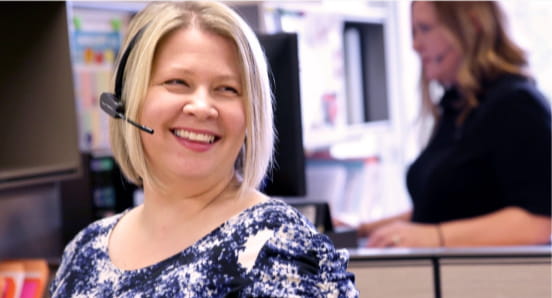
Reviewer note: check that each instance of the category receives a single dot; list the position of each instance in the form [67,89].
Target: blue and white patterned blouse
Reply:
[268,250]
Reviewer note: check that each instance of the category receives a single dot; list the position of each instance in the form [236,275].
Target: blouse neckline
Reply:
[181,254]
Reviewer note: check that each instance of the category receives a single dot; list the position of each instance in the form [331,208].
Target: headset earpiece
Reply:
[111,103]
[115,99]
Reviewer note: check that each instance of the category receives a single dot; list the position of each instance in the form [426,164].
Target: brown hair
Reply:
[478,28]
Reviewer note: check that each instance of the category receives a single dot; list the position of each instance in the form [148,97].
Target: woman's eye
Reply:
[424,28]
[421,29]
[176,82]
[229,89]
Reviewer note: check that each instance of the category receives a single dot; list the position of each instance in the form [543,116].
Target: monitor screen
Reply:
[37,101]
[287,178]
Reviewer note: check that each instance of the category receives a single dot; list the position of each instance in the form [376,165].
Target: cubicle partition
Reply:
[484,272]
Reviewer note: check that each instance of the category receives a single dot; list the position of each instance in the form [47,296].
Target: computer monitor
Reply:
[287,178]
[37,101]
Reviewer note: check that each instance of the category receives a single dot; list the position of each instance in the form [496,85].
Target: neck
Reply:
[165,206]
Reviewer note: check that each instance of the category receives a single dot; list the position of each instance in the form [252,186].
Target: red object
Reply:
[99,58]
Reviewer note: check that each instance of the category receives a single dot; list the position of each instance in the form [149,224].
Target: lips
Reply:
[200,137]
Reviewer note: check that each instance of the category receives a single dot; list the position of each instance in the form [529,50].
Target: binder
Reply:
[23,278]
[13,274]
[36,277]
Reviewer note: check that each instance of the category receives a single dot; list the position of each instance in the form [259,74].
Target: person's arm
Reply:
[508,226]
[365,229]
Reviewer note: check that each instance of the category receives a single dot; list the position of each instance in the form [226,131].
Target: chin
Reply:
[430,75]
[438,79]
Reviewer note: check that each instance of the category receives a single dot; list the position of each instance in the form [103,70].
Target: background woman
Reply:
[485,176]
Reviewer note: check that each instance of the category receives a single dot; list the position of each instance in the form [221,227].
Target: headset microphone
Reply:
[114,108]
[111,102]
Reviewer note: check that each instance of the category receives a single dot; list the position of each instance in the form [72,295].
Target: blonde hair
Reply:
[478,29]
[158,20]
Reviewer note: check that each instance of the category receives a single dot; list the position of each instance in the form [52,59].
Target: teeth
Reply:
[198,137]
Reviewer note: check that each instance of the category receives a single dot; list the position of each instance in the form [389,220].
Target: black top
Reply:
[499,157]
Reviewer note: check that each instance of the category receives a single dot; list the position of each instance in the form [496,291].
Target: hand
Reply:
[366,229]
[339,223]
[405,234]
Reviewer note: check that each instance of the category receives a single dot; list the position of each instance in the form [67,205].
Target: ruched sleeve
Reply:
[298,262]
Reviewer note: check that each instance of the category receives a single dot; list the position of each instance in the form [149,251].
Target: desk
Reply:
[520,271]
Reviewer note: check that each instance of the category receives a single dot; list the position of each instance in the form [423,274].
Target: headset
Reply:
[111,103]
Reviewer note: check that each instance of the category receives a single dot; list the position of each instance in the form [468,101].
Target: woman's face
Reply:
[195,104]
[440,59]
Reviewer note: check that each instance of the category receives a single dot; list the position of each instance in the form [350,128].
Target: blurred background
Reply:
[346,102]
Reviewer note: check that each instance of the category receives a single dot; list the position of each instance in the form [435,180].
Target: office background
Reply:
[360,159]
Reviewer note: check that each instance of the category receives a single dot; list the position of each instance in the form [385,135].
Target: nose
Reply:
[200,105]
[416,43]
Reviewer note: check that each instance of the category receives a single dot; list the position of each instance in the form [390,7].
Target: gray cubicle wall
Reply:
[477,272]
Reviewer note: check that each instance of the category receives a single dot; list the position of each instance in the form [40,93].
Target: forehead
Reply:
[423,11]
[194,46]
[194,38]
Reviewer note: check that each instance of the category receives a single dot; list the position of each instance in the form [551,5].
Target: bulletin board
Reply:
[96,37]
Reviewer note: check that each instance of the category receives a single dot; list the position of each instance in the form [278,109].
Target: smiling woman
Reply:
[195,103]
[197,76]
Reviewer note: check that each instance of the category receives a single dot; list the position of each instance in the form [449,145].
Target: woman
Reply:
[197,77]
[484,177]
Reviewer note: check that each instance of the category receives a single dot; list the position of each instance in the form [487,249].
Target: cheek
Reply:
[235,119]
[152,107]
[452,64]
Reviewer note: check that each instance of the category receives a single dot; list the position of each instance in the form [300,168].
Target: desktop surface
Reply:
[487,251]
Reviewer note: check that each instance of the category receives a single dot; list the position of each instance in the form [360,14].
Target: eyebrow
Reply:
[181,70]
[229,78]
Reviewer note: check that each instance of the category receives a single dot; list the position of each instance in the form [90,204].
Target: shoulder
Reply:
[84,249]
[97,228]
[514,92]
[90,236]
[514,104]
[287,231]
[281,218]
[275,212]
[295,259]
